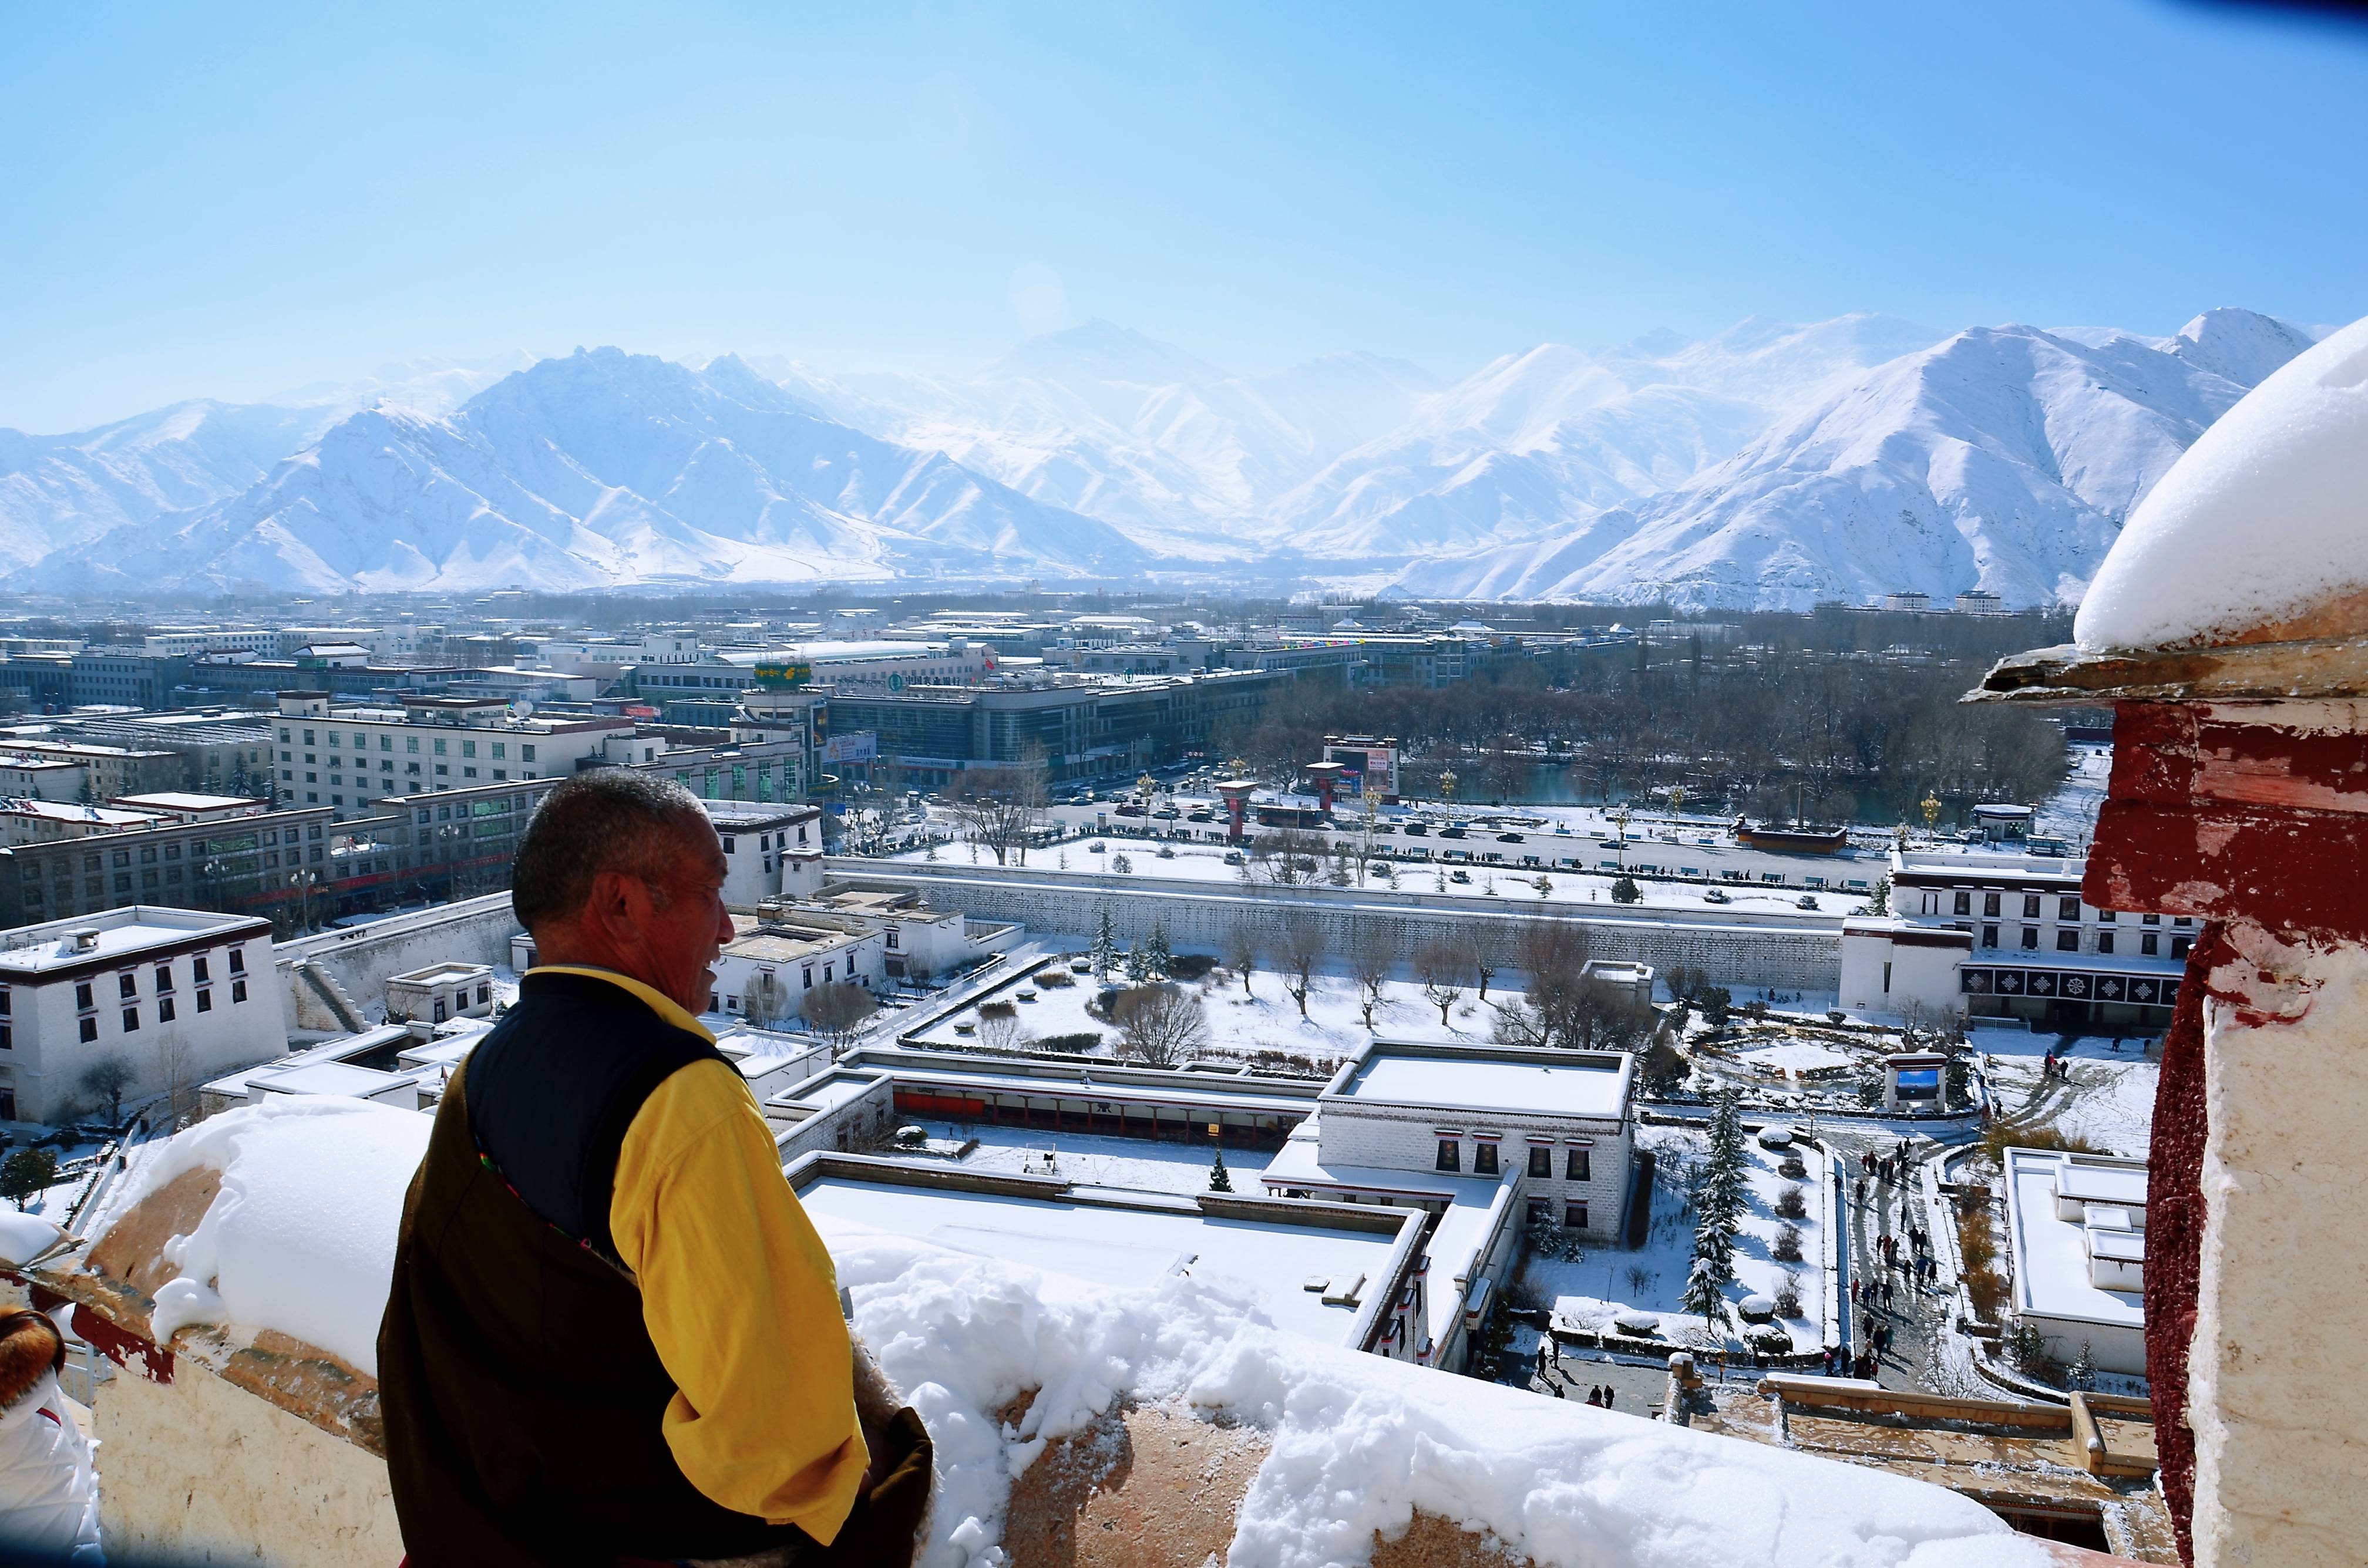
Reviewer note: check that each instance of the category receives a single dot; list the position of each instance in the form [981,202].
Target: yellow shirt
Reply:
[738,1295]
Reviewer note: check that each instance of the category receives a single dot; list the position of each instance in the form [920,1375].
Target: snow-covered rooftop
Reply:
[2261,524]
[1137,1240]
[2051,1255]
[1592,1085]
[120,935]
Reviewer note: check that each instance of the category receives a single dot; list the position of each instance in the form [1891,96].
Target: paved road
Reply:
[1917,1315]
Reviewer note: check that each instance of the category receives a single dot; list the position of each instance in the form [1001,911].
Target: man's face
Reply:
[679,941]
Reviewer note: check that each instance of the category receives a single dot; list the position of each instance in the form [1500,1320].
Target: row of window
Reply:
[1574,1212]
[2066,907]
[410,743]
[2069,941]
[1575,1165]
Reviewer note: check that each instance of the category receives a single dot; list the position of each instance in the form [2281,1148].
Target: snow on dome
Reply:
[300,1236]
[2260,527]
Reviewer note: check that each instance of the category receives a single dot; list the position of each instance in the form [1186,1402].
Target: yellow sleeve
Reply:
[742,1303]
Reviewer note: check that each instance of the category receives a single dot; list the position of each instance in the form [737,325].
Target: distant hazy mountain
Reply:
[1770,464]
[603,468]
[2002,458]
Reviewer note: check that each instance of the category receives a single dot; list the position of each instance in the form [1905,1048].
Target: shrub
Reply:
[1054,977]
[1788,1300]
[997,1010]
[1084,1041]
[1190,966]
[1791,1205]
[1788,1244]
[1793,1168]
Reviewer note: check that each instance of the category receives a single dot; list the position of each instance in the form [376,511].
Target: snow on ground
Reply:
[1797,1056]
[1358,1442]
[1089,1161]
[1266,1019]
[2070,813]
[1587,1293]
[2112,1106]
[2259,520]
[2109,1101]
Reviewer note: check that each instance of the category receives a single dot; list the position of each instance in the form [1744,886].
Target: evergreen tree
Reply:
[1157,954]
[1105,949]
[1138,965]
[1705,1294]
[1220,1178]
[2083,1375]
[1625,891]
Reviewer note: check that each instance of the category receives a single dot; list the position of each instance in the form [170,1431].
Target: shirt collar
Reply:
[657,1001]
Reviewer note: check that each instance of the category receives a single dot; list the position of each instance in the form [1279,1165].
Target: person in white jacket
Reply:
[49,1488]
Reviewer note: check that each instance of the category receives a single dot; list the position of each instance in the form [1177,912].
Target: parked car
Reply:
[1714,896]
[1130,811]
[1419,829]
[1167,813]
[1451,833]
[1201,815]
[1459,876]
[1509,838]
[1233,857]
[1808,901]
[1096,847]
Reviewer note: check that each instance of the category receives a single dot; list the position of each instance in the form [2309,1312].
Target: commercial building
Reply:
[98,772]
[174,995]
[347,758]
[1986,934]
[241,864]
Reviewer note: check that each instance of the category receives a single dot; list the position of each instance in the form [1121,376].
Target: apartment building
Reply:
[240,863]
[348,758]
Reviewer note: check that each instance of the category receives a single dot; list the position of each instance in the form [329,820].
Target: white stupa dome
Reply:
[2259,533]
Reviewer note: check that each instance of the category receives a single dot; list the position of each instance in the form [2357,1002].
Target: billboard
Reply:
[863,745]
[1371,770]
[1921,1084]
[780,674]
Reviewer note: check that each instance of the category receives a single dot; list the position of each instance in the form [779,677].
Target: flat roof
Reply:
[832,1088]
[1196,1091]
[2050,1256]
[1587,1087]
[123,933]
[1129,1243]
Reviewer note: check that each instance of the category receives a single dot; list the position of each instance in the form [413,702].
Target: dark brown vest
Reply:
[522,1394]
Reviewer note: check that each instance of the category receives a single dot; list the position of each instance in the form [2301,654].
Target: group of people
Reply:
[1861,1366]
[1598,1395]
[2053,1066]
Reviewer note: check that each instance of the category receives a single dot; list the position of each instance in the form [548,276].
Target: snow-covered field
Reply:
[2109,1101]
[2071,812]
[1587,1293]
[1266,1020]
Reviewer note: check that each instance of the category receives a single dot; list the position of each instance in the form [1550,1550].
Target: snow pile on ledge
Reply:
[300,1238]
[1358,1442]
[2264,518]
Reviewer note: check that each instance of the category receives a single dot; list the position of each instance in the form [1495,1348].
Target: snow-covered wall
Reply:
[1786,954]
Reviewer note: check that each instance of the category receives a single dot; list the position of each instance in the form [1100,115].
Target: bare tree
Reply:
[1373,949]
[1160,1025]
[1300,946]
[765,1002]
[1444,970]
[1288,856]
[1001,813]
[1000,1027]
[1243,946]
[1483,948]
[838,1012]
[107,1079]
[173,1070]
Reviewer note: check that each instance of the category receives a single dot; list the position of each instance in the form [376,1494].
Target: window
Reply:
[1540,1160]
[2105,941]
[526,754]
[1484,1160]
[440,747]
[2182,920]
[1450,1155]
[468,748]
[130,1020]
[2150,920]
[2031,907]
[2179,946]
[386,742]
[89,1027]
[892,938]
[126,985]
[1989,903]
[1577,1168]
[728,848]
[808,976]
[2067,941]
[82,996]
[1965,904]
[501,750]
[238,960]
[410,743]
[2149,944]
[2067,909]
[2106,917]
[165,1010]
[1541,1212]
[238,990]
[1573,1215]
[164,978]
[205,1001]
[2030,937]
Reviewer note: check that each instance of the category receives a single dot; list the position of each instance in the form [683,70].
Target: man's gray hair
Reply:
[610,819]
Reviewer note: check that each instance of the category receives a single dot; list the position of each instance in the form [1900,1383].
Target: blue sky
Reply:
[230,200]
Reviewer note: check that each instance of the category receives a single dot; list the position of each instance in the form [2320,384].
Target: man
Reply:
[613,1335]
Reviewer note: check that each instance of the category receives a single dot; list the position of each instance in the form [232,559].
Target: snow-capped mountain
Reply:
[600,469]
[2002,458]
[60,491]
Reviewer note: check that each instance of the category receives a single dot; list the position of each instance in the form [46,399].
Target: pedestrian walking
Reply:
[1854,1289]
[1607,1396]
[1889,1289]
